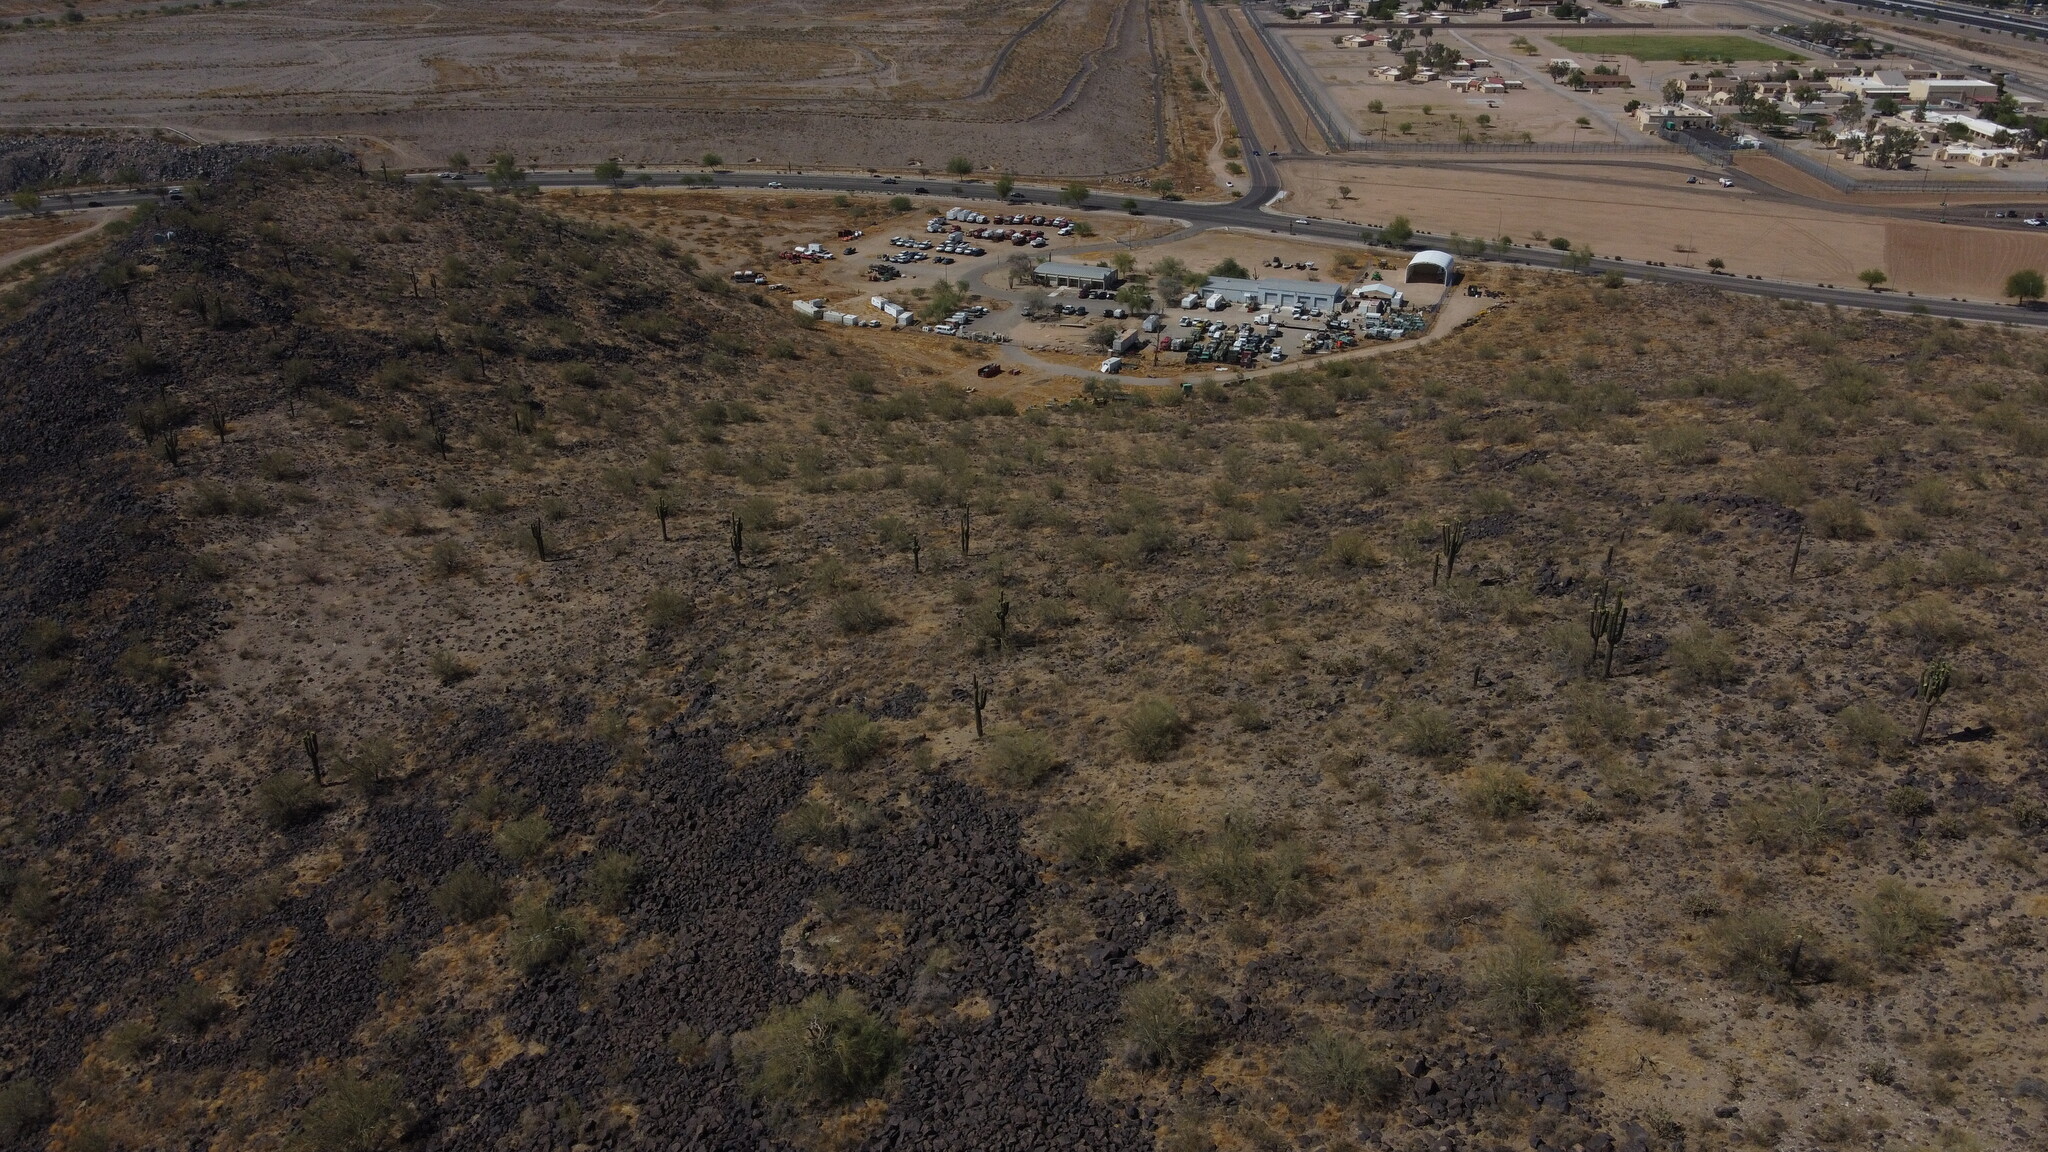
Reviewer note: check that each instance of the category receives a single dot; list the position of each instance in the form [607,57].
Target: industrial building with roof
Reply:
[1065,274]
[1274,293]
[1432,266]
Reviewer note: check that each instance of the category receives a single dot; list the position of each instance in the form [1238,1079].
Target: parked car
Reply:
[775,183]
[989,371]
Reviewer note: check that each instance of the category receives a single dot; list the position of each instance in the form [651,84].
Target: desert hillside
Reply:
[478,679]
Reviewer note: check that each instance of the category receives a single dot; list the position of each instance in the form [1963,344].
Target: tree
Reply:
[1134,297]
[609,170]
[711,159]
[1872,277]
[1130,205]
[960,166]
[1580,257]
[2026,284]
[1892,148]
[947,297]
[459,161]
[27,201]
[1885,106]
[1005,184]
[1674,90]
[1161,187]
[1102,336]
[1344,191]
[1075,194]
[1230,267]
[899,204]
[1398,231]
[1019,268]
[1717,264]
[1170,276]
[1124,263]
[505,170]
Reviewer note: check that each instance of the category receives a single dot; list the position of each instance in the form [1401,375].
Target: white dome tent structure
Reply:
[1431,266]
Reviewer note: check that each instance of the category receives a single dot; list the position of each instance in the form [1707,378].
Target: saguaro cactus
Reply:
[311,743]
[662,511]
[1798,543]
[916,554]
[737,532]
[540,541]
[981,692]
[1452,542]
[1933,686]
[966,530]
[1607,622]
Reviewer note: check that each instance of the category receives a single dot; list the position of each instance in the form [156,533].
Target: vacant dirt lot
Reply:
[1043,86]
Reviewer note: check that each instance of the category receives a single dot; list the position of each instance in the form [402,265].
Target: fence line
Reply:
[1504,146]
[1842,180]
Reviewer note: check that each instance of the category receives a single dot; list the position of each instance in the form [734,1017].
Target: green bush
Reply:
[541,936]
[468,895]
[1553,912]
[288,799]
[1021,757]
[1838,518]
[1522,987]
[1089,839]
[1344,1070]
[1592,717]
[845,740]
[1702,658]
[612,881]
[860,612]
[1153,729]
[1158,1029]
[24,1108]
[1900,923]
[1965,568]
[1429,731]
[1764,951]
[522,839]
[1498,792]
[355,1115]
[1868,728]
[1236,871]
[824,1051]
[667,610]
[1801,820]
[192,1009]
[1674,516]
[1683,444]
[1350,549]
[1908,803]
[448,668]
[813,824]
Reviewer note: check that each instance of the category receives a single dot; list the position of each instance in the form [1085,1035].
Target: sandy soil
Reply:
[794,81]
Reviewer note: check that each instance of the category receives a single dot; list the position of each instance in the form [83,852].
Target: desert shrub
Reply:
[667,610]
[1965,568]
[1592,717]
[1764,951]
[612,881]
[1350,549]
[1237,525]
[468,895]
[1522,987]
[823,1051]
[288,799]
[1801,820]
[1908,803]
[1429,731]
[759,513]
[1343,1070]
[845,740]
[1153,729]
[1159,830]
[1235,871]
[1683,444]
[1838,518]
[1900,923]
[1088,838]
[355,1115]
[816,824]
[1675,516]
[1553,912]
[1702,658]
[23,1108]
[1498,792]
[860,612]
[449,669]
[1106,595]
[1159,1030]
[140,662]
[1656,1015]
[523,839]
[192,1009]
[1868,728]
[1021,757]
[1931,496]
[541,936]
[1931,621]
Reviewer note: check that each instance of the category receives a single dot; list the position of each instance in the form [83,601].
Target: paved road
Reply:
[1246,213]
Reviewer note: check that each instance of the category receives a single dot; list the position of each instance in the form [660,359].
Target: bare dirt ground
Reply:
[1650,214]
[1057,86]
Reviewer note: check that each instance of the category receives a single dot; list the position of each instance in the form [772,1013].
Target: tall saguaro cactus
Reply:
[981,694]
[1933,686]
[1451,542]
[1607,622]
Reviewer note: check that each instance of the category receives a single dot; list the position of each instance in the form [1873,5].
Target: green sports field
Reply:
[1682,46]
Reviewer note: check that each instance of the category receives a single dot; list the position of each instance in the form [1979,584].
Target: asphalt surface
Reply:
[1248,212]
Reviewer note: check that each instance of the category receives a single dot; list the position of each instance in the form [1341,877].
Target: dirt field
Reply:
[1650,214]
[1044,86]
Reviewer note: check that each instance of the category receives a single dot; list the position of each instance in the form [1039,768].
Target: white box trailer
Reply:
[1216,302]
[809,308]
[1191,300]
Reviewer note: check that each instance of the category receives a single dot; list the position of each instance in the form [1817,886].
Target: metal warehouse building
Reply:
[1431,267]
[1063,274]
[1280,293]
